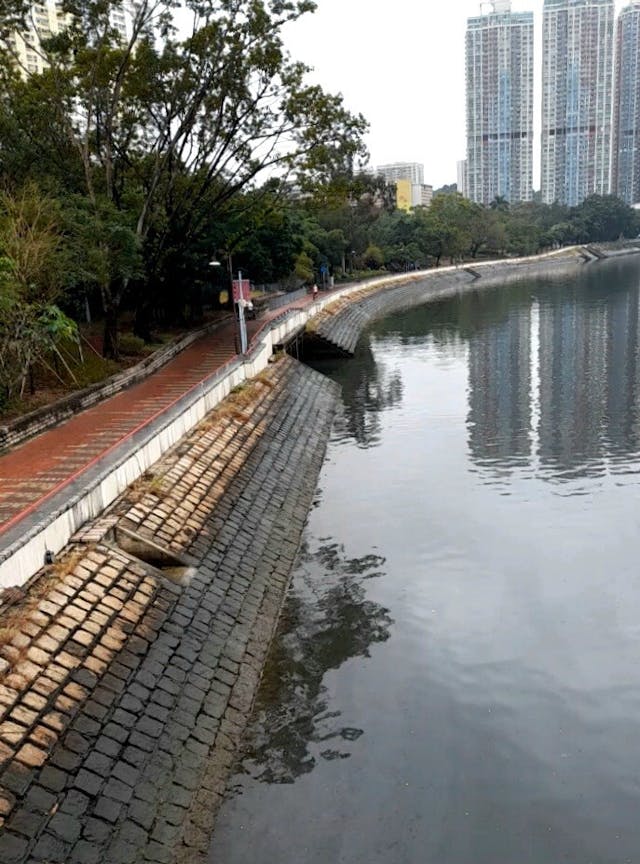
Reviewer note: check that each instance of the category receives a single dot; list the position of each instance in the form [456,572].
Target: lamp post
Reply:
[240,302]
[241,319]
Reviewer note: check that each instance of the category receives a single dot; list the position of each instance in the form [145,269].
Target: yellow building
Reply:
[403,195]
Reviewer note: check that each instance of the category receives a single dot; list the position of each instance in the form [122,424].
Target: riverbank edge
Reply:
[337,328]
[49,526]
[123,695]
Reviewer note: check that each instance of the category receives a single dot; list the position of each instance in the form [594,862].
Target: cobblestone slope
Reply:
[123,695]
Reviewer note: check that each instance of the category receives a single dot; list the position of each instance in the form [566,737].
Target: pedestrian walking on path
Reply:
[314,291]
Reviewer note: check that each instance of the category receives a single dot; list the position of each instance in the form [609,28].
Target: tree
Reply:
[32,327]
[373,257]
[602,218]
[220,107]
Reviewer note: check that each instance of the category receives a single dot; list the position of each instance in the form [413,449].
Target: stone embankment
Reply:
[129,667]
[338,327]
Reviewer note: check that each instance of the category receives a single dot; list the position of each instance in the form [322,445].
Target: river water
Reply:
[456,678]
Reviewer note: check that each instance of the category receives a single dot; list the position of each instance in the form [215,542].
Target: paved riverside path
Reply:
[123,696]
[33,471]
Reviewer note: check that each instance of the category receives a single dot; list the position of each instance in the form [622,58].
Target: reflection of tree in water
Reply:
[368,388]
[326,622]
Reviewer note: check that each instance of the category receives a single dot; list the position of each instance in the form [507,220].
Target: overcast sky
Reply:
[401,64]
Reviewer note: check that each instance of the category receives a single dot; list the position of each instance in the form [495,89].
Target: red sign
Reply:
[241,290]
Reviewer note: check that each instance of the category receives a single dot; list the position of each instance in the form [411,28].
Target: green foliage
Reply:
[304,267]
[373,257]
[132,346]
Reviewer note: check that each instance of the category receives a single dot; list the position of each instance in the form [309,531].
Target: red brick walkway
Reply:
[33,471]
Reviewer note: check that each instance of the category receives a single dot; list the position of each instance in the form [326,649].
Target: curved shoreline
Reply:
[124,694]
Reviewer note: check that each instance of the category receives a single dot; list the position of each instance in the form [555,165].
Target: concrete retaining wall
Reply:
[342,330]
[51,527]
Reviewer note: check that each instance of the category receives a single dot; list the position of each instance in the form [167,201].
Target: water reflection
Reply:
[553,383]
[374,388]
[327,620]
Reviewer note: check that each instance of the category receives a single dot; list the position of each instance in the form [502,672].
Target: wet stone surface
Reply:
[124,696]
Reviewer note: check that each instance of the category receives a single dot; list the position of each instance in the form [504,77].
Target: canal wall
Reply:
[48,528]
[337,329]
[129,669]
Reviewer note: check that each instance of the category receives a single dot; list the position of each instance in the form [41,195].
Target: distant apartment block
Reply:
[421,195]
[412,171]
[462,183]
[45,20]
[577,75]
[499,97]
[625,171]
[408,178]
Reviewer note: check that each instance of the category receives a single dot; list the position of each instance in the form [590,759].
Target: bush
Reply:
[131,345]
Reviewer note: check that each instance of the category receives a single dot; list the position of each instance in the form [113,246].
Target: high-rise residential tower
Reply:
[577,73]
[45,19]
[499,72]
[625,167]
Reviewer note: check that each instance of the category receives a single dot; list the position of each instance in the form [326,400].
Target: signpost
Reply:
[324,272]
[242,297]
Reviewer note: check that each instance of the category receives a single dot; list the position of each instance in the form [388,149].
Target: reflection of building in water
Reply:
[368,388]
[623,373]
[499,390]
[573,379]
[560,381]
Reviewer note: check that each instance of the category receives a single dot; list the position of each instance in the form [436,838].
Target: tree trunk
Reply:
[110,333]
[142,321]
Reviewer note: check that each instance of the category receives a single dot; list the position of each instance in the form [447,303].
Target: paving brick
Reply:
[65,826]
[75,803]
[66,760]
[50,848]
[13,733]
[31,756]
[148,726]
[13,848]
[52,779]
[88,782]
[142,813]
[7,802]
[76,742]
[118,790]
[39,798]
[27,822]
[108,746]
[16,778]
[108,809]
[86,852]
[97,831]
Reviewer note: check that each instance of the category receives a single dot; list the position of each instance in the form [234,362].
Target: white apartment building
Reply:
[47,19]
[421,195]
[577,75]
[499,104]
[412,171]
[625,167]
[461,171]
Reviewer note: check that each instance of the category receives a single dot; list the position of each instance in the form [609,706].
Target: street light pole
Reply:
[241,318]
[242,324]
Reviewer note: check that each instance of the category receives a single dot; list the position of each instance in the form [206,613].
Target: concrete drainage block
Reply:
[173,566]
